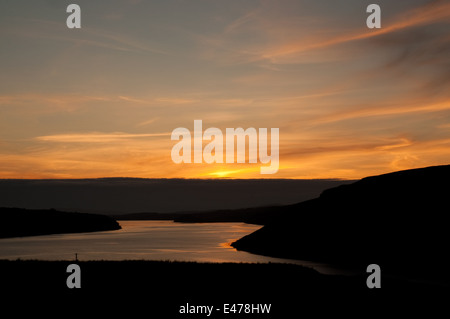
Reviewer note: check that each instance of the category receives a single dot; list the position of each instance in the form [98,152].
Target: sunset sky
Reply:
[102,101]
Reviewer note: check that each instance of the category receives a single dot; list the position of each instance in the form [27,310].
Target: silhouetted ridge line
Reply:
[398,220]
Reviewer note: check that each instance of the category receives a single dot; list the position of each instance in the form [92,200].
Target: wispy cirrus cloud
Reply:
[100,101]
[96,137]
[279,45]
[86,36]
[387,109]
[147,122]
[430,13]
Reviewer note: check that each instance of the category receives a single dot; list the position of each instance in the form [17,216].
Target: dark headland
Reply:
[18,222]
[397,220]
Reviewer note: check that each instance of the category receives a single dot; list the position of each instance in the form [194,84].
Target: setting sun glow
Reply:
[102,100]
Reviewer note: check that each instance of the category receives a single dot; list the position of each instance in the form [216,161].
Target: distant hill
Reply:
[399,220]
[17,222]
[257,216]
[114,196]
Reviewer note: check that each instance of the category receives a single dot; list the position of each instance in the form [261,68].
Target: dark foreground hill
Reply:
[156,289]
[18,222]
[397,220]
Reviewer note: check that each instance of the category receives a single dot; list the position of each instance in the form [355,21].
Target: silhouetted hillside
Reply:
[17,222]
[159,289]
[399,220]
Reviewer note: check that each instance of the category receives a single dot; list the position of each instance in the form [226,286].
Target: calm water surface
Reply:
[148,240]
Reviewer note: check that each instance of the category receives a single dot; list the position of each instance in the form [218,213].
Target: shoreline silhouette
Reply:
[19,222]
[397,220]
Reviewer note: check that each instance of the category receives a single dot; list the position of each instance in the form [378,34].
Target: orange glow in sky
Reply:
[102,101]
